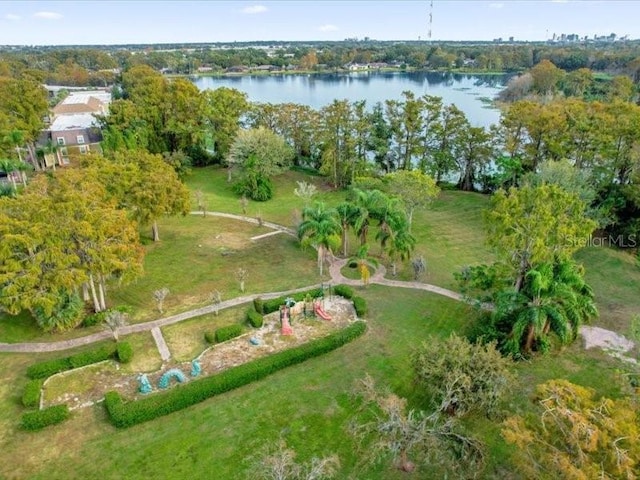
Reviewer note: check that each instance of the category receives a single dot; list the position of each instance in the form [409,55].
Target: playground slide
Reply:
[286,326]
[320,312]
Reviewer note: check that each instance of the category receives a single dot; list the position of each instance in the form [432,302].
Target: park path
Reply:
[163,348]
[336,278]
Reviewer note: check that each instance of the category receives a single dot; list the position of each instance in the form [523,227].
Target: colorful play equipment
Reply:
[195,368]
[168,375]
[284,321]
[319,311]
[145,385]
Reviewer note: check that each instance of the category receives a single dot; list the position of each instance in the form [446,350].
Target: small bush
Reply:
[343,291]
[258,304]
[42,418]
[131,413]
[66,314]
[48,368]
[210,337]
[31,394]
[360,304]
[227,333]
[124,352]
[273,305]
[94,319]
[254,318]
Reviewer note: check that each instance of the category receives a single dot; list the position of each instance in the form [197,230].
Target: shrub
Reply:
[94,319]
[31,394]
[343,291]
[254,318]
[210,337]
[273,305]
[92,356]
[227,333]
[360,304]
[66,314]
[51,367]
[258,304]
[183,396]
[124,352]
[48,368]
[42,418]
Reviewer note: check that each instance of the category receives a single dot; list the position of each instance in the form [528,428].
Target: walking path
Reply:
[163,348]
[155,325]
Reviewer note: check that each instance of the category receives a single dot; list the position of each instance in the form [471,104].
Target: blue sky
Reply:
[115,22]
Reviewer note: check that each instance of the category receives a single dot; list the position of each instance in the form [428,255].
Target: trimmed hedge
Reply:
[273,305]
[124,352]
[227,333]
[258,305]
[93,356]
[51,367]
[210,337]
[183,396]
[343,291]
[254,318]
[360,304]
[42,418]
[31,394]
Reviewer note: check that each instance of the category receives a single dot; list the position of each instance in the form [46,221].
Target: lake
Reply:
[465,91]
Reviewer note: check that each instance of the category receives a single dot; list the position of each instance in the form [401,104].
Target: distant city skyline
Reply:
[146,22]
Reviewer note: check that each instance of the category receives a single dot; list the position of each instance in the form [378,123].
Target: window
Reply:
[84,149]
[60,140]
[80,139]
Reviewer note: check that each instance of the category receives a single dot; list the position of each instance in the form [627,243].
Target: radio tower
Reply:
[430,19]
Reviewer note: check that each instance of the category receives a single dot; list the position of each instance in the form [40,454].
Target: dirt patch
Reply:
[613,343]
[109,377]
[227,241]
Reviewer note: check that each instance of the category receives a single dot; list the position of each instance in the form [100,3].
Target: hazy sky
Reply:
[114,22]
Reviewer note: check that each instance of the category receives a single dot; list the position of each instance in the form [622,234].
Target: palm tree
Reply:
[554,298]
[8,166]
[400,245]
[347,213]
[369,204]
[392,219]
[320,227]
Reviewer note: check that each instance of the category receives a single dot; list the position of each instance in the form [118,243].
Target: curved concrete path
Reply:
[334,270]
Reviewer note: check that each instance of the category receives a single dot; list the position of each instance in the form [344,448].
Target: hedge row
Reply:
[227,333]
[254,318]
[42,418]
[344,291]
[210,337]
[124,352]
[183,396]
[360,305]
[31,394]
[51,367]
[273,305]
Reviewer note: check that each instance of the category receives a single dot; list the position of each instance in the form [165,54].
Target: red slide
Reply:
[320,312]
[286,326]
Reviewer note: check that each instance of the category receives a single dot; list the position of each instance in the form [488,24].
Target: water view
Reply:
[470,93]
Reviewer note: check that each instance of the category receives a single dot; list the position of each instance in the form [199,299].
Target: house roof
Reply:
[84,102]
[75,121]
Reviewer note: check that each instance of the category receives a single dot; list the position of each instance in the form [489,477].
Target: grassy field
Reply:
[308,405]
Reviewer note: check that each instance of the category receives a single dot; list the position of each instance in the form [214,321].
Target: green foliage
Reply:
[258,305]
[92,356]
[183,396]
[47,368]
[227,333]
[254,186]
[124,352]
[343,291]
[50,367]
[94,319]
[360,304]
[254,318]
[461,376]
[31,394]
[210,337]
[273,305]
[66,315]
[43,418]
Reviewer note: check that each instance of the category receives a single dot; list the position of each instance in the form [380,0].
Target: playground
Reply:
[89,384]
